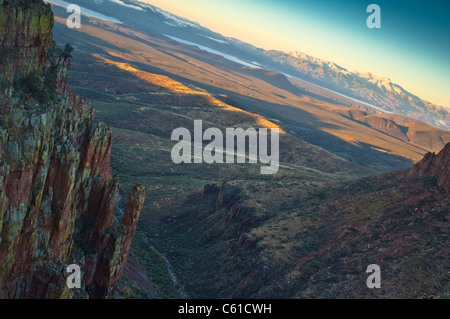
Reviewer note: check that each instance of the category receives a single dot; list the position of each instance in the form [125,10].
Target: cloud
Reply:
[127,5]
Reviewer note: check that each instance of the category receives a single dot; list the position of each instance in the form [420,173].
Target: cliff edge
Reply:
[437,166]
[57,194]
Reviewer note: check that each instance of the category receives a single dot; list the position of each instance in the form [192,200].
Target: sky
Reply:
[412,47]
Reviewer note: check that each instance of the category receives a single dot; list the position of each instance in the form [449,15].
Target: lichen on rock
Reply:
[57,194]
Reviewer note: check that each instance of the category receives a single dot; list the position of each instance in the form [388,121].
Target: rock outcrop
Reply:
[437,166]
[57,194]
[239,210]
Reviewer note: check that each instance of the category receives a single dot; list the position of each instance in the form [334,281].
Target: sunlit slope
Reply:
[279,234]
[153,104]
[176,87]
[318,122]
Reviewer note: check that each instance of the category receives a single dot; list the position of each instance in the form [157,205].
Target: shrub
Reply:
[4,83]
[38,87]
[50,82]
[67,53]
[429,180]
[29,84]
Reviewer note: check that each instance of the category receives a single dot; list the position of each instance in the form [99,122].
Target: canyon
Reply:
[355,186]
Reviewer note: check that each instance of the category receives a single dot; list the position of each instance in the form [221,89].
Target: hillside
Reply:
[372,91]
[317,244]
[315,120]
[355,185]
[145,85]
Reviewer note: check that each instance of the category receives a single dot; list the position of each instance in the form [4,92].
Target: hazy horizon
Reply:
[411,48]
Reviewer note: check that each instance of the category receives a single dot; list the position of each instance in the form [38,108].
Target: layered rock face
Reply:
[57,194]
[437,166]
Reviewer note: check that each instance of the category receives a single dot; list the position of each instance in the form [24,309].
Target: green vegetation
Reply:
[430,180]
[157,269]
[81,244]
[30,84]
[3,123]
[36,86]
[4,83]
[305,229]
[3,17]
[67,52]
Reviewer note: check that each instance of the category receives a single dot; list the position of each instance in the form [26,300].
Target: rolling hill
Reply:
[307,231]
[372,91]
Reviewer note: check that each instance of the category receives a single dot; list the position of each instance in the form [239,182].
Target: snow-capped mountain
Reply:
[379,92]
[366,87]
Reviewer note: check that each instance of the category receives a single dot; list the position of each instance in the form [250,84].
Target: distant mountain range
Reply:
[378,91]
[365,88]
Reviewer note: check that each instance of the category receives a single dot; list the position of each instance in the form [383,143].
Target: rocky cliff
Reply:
[57,194]
[437,166]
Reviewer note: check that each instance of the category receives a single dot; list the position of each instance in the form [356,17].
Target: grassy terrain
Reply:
[141,153]
[320,122]
[308,231]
